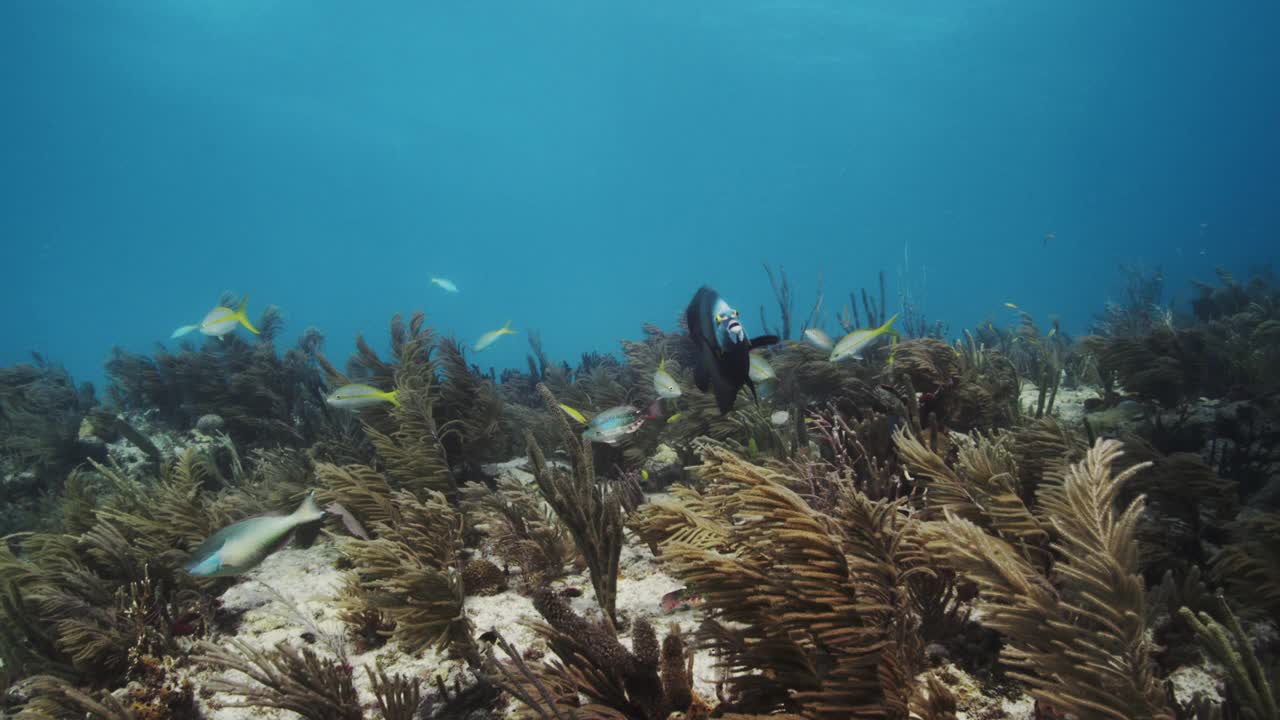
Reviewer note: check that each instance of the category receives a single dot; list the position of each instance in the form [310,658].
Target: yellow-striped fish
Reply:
[358,395]
[220,321]
[663,384]
[852,345]
[492,336]
[573,413]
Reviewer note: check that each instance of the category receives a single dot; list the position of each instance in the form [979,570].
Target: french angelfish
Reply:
[721,347]
[239,547]
[220,321]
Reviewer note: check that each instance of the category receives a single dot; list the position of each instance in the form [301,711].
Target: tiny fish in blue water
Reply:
[819,339]
[444,284]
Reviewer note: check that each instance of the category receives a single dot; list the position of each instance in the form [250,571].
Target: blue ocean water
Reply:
[581,167]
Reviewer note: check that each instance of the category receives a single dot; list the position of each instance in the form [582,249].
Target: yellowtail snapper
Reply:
[220,321]
[819,339]
[852,345]
[492,336]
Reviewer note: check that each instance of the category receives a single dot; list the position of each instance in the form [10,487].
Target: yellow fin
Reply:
[392,397]
[243,317]
[506,329]
[674,418]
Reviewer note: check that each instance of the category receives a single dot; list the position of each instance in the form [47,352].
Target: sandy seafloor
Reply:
[305,582]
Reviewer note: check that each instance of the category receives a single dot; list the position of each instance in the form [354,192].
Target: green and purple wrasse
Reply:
[220,321]
[852,345]
[239,547]
[357,395]
[610,426]
[492,336]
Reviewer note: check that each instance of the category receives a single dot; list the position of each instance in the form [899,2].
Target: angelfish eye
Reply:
[719,317]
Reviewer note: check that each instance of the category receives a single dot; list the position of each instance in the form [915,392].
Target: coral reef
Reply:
[936,530]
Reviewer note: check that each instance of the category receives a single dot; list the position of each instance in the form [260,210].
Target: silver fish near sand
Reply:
[663,384]
[220,321]
[852,345]
[610,426]
[359,395]
[492,336]
[819,339]
[239,547]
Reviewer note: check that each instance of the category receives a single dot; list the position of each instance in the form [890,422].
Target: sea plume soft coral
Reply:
[1077,636]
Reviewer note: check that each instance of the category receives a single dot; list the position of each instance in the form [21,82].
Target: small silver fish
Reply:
[852,345]
[358,395]
[760,370]
[819,339]
[663,384]
[610,426]
[239,547]
[444,284]
[780,417]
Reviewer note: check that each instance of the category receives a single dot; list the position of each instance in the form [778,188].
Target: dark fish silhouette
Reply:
[721,347]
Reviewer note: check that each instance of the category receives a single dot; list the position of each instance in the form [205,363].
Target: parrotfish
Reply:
[852,345]
[819,339]
[220,321]
[239,547]
[358,395]
[444,284]
[612,425]
[492,336]
[663,384]
[721,347]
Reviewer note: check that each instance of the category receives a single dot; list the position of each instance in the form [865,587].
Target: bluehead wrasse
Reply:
[663,384]
[444,284]
[239,547]
[492,336]
[358,395]
[854,343]
[573,413]
[1012,306]
[644,474]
